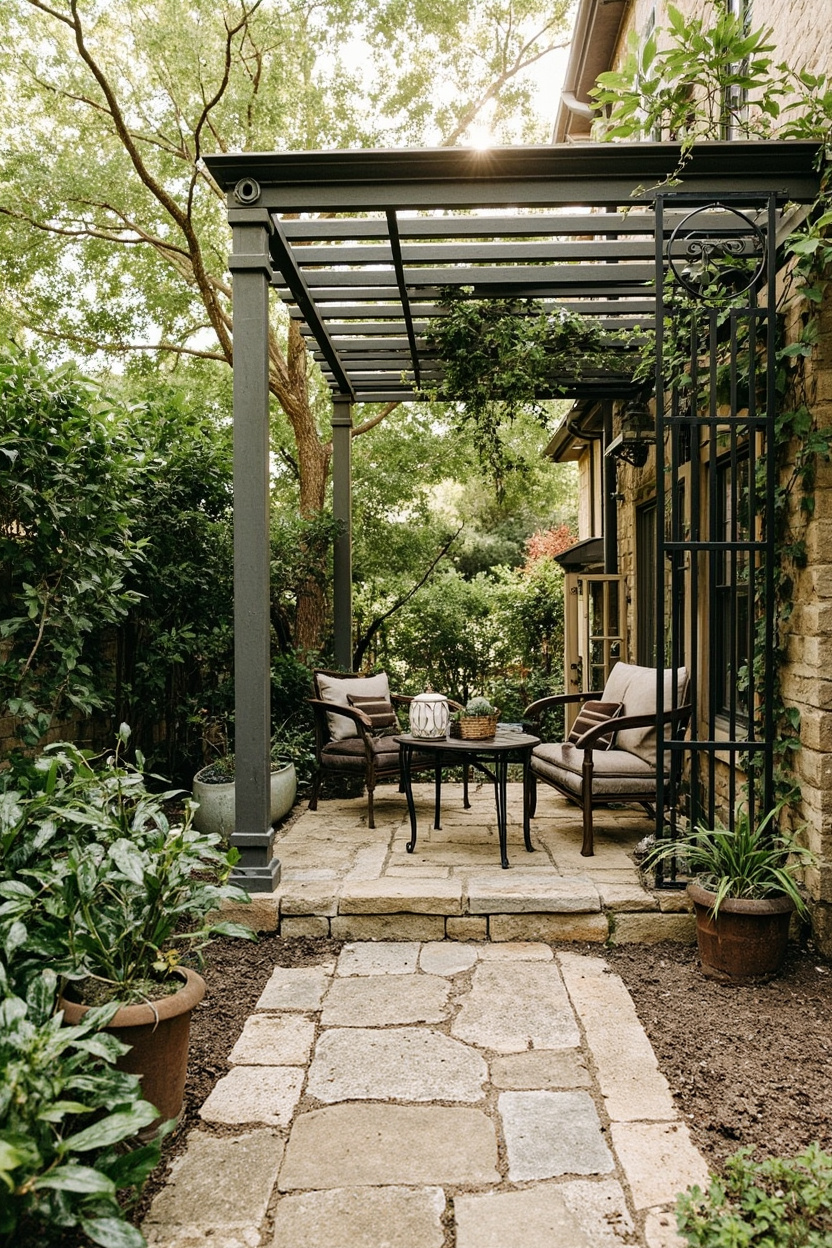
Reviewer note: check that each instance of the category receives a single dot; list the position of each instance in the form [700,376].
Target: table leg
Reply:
[528,793]
[437,811]
[405,756]
[501,792]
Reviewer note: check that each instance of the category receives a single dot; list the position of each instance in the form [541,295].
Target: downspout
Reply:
[609,500]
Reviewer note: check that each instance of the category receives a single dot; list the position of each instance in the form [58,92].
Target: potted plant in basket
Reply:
[117,901]
[744,889]
[477,721]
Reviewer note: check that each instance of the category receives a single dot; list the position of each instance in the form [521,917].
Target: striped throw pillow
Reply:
[590,716]
[378,710]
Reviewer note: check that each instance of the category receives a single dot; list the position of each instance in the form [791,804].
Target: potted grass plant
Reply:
[745,886]
[117,900]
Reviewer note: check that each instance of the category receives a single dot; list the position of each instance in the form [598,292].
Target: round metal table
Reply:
[490,756]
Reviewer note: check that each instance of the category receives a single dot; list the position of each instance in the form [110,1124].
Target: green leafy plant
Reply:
[776,1203]
[65,539]
[114,892]
[501,355]
[748,861]
[697,87]
[67,1122]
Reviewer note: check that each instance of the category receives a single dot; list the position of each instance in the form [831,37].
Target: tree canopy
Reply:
[113,240]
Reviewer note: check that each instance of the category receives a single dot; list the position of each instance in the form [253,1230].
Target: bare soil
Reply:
[747,1066]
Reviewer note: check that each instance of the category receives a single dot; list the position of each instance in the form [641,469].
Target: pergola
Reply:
[359,245]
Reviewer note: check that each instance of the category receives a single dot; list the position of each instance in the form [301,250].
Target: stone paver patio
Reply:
[343,879]
[491,1095]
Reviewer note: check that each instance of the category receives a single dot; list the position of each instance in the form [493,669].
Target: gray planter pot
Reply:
[216,801]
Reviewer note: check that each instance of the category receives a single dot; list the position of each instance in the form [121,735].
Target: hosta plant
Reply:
[68,1119]
[106,887]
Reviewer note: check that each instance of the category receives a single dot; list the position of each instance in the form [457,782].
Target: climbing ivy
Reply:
[504,355]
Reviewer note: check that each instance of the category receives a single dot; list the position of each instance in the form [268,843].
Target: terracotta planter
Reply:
[158,1034]
[217,805]
[746,942]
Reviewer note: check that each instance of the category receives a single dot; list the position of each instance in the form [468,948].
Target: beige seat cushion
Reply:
[636,688]
[616,773]
[337,690]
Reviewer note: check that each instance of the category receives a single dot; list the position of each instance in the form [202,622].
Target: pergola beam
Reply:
[577,174]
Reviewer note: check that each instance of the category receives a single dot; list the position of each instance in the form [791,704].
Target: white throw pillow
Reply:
[336,690]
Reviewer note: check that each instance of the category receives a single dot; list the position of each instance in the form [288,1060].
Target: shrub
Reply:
[66,544]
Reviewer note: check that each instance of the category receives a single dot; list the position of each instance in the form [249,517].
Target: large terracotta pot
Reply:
[217,804]
[158,1033]
[746,942]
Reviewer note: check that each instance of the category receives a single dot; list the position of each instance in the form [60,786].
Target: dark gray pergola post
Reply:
[342,547]
[252,274]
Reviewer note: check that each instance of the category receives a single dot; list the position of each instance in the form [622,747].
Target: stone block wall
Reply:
[807,676]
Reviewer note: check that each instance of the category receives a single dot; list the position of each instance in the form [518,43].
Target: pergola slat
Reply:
[483,253]
[522,225]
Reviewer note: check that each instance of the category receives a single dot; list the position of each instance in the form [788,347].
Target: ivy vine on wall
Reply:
[719,80]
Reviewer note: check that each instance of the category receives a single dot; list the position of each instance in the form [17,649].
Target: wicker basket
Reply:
[478,727]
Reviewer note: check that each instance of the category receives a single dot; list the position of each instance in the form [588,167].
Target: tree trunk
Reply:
[290,384]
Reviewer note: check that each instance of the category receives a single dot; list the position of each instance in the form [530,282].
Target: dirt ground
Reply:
[746,1065]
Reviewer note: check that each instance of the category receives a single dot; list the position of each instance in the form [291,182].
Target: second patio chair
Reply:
[610,756]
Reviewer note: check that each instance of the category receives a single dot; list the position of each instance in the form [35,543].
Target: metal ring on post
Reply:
[247,191]
[713,259]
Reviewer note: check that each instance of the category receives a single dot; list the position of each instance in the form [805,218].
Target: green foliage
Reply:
[175,647]
[776,1203]
[502,356]
[67,543]
[711,81]
[447,636]
[99,882]
[748,861]
[67,1121]
[479,706]
[501,632]
[697,87]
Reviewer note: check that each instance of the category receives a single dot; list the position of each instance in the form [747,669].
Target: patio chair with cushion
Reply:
[355,727]
[610,755]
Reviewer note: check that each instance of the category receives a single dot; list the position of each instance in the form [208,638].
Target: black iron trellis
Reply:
[715,480]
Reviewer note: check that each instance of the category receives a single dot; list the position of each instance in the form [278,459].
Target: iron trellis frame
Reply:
[359,244]
[715,548]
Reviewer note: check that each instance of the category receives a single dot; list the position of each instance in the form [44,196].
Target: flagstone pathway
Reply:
[435,1095]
